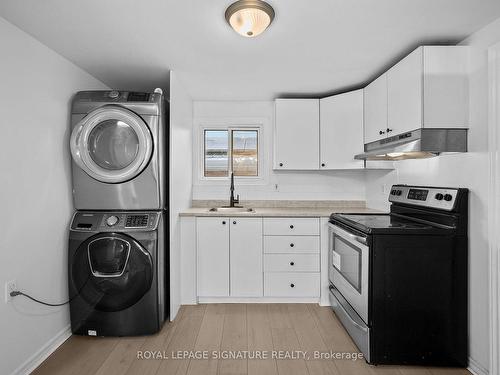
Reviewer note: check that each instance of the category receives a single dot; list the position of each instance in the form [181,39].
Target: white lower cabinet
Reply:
[291,244]
[291,262]
[291,284]
[245,249]
[292,226]
[213,256]
[291,257]
[229,257]
[252,257]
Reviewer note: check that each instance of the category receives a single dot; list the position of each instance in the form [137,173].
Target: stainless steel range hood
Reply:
[417,144]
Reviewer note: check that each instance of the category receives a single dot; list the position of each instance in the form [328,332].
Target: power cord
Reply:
[18,293]
[15,293]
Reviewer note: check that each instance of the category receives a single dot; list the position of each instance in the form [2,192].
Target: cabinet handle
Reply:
[389,130]
[323,164]
[292,245]
[292,285]
[234,222]
[291,226]
[223,223]
[292,263]
[381,132]
[281,164]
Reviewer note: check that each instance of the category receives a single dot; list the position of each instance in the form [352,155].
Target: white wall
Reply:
[324,185]
[469,170]
[35,190]
[181,167]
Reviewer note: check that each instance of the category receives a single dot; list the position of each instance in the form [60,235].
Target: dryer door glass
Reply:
[113,144]
[112,271]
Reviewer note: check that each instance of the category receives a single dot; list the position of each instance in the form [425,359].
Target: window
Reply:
[229,150]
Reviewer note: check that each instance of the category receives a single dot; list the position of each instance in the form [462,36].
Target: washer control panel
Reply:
[442,198]
[93,221]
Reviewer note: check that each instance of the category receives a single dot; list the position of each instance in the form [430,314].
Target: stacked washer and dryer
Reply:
[118,258]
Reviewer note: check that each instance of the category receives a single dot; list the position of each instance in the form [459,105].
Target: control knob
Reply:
[448,197]
[114,94]
[439,196]
[112,220]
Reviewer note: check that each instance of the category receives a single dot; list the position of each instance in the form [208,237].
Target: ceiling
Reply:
[312,47]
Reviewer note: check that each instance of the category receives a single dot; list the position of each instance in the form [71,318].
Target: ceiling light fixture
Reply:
[249,17]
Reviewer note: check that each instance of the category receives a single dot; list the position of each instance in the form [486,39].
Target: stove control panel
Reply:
[442,198]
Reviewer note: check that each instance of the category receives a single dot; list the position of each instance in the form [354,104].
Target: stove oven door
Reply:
[348,267]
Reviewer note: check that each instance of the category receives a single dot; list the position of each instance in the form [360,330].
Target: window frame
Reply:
[229,125]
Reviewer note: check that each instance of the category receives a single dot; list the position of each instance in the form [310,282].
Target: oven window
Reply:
[347,260]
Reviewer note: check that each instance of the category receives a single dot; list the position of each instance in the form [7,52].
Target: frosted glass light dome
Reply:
[249,18]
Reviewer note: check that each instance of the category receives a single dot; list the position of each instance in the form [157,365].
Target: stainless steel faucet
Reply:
[232,200]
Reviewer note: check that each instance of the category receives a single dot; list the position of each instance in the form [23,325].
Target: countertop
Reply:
[294,209]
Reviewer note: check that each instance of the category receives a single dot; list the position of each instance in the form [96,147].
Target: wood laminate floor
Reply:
[226,327]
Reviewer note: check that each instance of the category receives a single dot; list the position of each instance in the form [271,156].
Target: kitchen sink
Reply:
[231,209]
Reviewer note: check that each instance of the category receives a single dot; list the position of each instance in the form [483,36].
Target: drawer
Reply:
[291,284]
[291,244]
[291,263]
[298,226]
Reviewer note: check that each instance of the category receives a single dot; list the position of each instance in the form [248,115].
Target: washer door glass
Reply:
[108,256]
[111,144]
[111,271]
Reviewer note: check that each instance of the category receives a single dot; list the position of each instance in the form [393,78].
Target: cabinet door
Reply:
[341,131]
[404,94]
[296,138]
[375,109]
[446,86]
[213,256]
[246,257]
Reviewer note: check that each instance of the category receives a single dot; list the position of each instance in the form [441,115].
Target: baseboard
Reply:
[258,300]
[476,368]
[42,354]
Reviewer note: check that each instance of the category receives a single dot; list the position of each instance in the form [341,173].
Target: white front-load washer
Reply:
[119,150]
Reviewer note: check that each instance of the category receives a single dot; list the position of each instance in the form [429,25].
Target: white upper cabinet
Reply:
[246,257]
[446,87]
[404,94]
[296,138]
[375,110]
[341,131]
[429,89]
[426,89]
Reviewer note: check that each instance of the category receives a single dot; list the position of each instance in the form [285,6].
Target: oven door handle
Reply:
[344,233]
[356,324]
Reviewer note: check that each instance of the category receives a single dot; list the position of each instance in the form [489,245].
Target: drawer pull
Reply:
[234,222]
[292,285]
[292,263]
[291,226]
[223,223]
[292,245]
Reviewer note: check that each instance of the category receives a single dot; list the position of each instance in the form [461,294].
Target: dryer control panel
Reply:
[117,221]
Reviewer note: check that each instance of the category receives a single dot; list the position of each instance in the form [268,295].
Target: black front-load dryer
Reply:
[117,273]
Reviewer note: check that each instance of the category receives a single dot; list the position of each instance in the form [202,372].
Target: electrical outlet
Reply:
[10,286]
